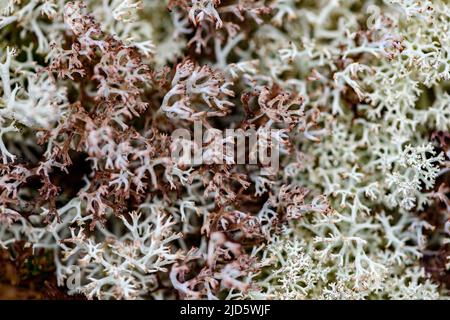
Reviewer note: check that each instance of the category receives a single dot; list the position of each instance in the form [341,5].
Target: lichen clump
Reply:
[351,97]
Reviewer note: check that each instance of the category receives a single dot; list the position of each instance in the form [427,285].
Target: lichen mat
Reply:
[347,100]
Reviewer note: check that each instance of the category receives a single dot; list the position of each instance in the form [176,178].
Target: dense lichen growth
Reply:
[354,97]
